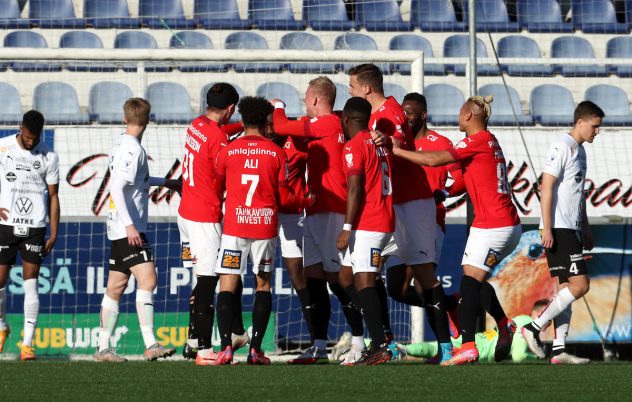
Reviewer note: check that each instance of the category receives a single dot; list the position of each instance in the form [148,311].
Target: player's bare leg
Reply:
[4,327]
[117,282]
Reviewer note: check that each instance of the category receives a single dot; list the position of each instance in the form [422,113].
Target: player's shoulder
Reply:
[8,141]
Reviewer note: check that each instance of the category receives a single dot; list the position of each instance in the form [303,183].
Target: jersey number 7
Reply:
[253,179]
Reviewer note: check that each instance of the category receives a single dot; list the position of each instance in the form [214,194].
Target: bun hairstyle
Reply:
[484,102]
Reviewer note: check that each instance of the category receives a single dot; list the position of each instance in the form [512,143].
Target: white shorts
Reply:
[486,248]
[200,244]
[366,249]
[320,232]
[438,244]
[291,235]
[234,252]
[415,232]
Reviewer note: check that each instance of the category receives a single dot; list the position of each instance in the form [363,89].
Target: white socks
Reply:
[3,308]
[358,341]
[145,310]
[560,302]
[109,315]
[31,310]
[561,323]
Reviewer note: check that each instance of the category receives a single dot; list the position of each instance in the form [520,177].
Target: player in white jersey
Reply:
[29,183]
[130,252]
[564,224]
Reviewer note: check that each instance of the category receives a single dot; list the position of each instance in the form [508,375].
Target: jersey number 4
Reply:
[253,180]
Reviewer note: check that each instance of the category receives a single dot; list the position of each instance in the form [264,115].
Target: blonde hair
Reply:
[325,88]
[137,111]
[482,105]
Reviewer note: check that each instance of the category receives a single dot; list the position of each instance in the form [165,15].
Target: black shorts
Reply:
[565,258]
[123,256]
[30,243]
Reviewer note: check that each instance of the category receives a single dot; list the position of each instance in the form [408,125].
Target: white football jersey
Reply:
[24,182]
[128,161]
[566,160]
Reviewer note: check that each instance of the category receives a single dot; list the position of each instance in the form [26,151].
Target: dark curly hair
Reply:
[254,111]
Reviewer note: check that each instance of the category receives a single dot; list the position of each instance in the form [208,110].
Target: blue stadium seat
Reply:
[84,40]
[285,92]
[417,43]
[163,14]
[170,103]
[444,104]
[577,48]
[10,106]
[28,39]
[273,14]
[106,101]
[10,16]
[435,16]
[54,14]
[305,41]
[59,104]
[491,16]
[541,16]
[218,14]
[620,47]
[342,95]
[194,40]
[380,15]
[515,46]
[628,13]
[250,40]
[327,15]
[596,16]
[614,101]
[108,14]
[396,91]
[203,105]
[138,40]
[459,46]
[552,105]
[502,113]
[357,41]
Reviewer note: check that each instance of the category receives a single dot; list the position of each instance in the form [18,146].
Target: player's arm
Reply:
[53,216]
[286,197]
[355,185]
[546,206]
[232,128]
[284,126]
[427,158]
[117,185]
[458,184]
[171,184]
[586,232]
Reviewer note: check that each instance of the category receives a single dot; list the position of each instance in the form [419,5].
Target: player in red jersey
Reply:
[495,231]
[415,230]
[326,181]
[369,220]
[253,172]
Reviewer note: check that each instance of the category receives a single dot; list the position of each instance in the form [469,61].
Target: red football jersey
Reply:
[391,120]
[254,168]
[485,176]
[296,152]
[363,158]
[199,201]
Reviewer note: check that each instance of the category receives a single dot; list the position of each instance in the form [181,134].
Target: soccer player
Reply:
[326,181]
[369,220]
[253,172]
[29,181]
[200,217]
[495,231]
[565,229]
[415,230]
[130,252]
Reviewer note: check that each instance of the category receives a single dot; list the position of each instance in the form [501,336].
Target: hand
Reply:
[397,145]
[547,238]
[4,214]
[133,237]
[589,242]
[379,139]
[174,185]
[439,196]
[273,101]
[50,243]
[343,240]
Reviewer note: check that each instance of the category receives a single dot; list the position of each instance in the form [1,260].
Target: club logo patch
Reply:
[11,177]
[375,257]
[231,259]
[349,159]
[186,251]
[492,259]
[37,165]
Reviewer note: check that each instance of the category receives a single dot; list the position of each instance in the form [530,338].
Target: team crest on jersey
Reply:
[11,177]
[313,120]
[461,144]
[349,159]
[375,257]
[431,137]
[492,259]
[231,259]
[37,165]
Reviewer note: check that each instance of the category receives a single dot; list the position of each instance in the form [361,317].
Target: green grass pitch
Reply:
[183,381]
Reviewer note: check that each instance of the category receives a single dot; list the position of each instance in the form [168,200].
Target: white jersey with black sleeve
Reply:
[25,176]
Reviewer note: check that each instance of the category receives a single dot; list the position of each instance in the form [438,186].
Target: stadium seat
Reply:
[285,92]
[106,102]
[342,95]
[54,14]
[380,15]
[59,104]
[305,41]
[502,112]
[28,39]
[10,16]
[84,40]
[396,91]
[10,105]
[357,41]
[576,48]
[620,47]
[552,105]
[444,104]
[108,14]
[515,46]
[596,16]
[163,14]
[194,40]
[218,14]
[614,101]
[417,43]
[250,40]
[170,103]
[203,105]
[491,16]
[541,16]
[273,14]
[435,16]
[459,46]
[138,40]
[326,15]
